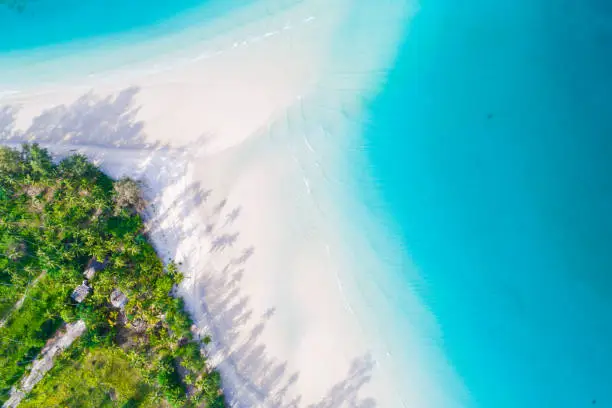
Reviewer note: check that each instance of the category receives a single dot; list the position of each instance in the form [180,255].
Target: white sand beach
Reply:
[244,139]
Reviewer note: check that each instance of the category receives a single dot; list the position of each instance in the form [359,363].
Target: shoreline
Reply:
[246,155]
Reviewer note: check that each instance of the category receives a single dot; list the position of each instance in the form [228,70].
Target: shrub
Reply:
[128,195]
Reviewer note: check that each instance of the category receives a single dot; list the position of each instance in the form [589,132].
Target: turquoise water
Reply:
[492,148]
[99,35]
[51,22]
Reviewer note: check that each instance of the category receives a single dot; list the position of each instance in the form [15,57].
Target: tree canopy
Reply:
[55,218]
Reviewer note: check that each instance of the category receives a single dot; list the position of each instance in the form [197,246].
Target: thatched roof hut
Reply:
[118,299]
[80,292]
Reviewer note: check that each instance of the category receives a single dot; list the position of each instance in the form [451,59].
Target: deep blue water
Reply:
[492,148]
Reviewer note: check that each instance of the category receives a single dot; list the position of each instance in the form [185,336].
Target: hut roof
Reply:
[118,299]
[80,292]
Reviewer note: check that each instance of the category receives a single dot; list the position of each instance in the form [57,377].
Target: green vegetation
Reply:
[54,219]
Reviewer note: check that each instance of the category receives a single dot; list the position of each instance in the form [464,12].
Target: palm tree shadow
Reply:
[8,116]
[91,120]
[216,298]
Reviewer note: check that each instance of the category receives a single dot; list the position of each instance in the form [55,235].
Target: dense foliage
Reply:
[54,219]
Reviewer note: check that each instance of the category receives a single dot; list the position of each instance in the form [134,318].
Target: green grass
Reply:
[27,330]
[102,377]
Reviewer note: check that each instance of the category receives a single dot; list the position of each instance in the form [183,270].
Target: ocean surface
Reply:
[54,40]
[491,146]
[45,23]
[491,150]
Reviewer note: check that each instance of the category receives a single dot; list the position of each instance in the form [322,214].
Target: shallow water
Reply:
[44,23]
[60,40]
[491,148]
